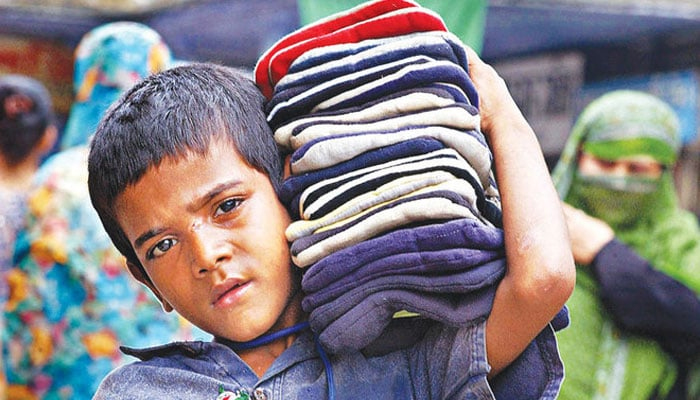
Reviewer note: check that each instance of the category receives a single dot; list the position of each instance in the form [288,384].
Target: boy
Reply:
[183,172]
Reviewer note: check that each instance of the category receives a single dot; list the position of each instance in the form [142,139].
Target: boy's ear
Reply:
[138,273]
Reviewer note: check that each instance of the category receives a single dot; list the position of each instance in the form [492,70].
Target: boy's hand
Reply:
[496,105]
[587,234]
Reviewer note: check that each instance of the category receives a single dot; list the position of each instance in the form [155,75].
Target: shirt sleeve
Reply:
[457,366]
[450,363]
[537,373]
[645,301]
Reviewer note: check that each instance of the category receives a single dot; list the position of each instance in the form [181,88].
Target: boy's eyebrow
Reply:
[145,236]
[213,192]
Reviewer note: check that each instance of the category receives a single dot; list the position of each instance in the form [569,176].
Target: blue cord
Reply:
[329,369]
[269,338]
[262,340]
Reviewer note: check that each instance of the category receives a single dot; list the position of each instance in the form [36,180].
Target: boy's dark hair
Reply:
[171,114]
[25,113]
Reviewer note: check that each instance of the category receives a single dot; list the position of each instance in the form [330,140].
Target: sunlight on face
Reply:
[209,232]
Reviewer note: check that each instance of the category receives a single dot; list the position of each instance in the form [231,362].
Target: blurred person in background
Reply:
[635,312]
[27,133]
[72,302]
[109,60]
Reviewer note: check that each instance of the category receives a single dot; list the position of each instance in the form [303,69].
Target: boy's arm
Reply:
[541,274]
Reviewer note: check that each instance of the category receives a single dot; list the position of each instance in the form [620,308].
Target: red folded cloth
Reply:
[383,18]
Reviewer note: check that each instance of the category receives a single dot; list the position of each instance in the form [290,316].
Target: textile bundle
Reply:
[395,206]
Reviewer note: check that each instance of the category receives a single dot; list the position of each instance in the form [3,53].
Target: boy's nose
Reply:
[207,250]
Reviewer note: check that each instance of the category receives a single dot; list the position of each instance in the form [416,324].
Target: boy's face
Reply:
[209,231]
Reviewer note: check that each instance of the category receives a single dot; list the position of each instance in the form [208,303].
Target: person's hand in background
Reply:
[588,235]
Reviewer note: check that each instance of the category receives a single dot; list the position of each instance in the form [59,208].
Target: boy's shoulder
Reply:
[192,369]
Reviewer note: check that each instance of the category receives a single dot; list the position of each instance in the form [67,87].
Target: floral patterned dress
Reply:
[72,301]
[10,222]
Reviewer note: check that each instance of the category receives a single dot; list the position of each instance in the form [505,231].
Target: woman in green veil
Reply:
[635,312]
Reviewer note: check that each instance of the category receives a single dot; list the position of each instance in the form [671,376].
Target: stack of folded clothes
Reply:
[395,207]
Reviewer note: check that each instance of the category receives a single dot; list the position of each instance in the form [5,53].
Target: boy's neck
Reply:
[290,325]
[260,358]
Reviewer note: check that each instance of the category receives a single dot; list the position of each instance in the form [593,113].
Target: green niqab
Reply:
[644,214]
[601,361]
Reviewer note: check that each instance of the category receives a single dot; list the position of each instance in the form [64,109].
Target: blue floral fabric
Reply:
[72,302]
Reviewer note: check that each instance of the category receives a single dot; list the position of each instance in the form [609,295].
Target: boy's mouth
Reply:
[228,292]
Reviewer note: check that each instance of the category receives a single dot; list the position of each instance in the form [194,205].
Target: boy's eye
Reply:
[161,247]
[227,206]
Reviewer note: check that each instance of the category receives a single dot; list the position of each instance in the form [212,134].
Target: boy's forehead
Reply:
[190,173]
[217,149]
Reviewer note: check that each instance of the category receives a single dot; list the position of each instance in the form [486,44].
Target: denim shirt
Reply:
[447,363]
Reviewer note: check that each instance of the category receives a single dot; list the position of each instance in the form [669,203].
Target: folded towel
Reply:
[403,102]
[330,24]
[437,45]
[325,152]
[393,23]
[457,116]
[321,198]
[441,265]
[335,95]
[424,208]
[398,188]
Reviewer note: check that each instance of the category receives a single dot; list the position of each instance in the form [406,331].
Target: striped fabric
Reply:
[392,192]
[344,92]
[406,210]
[436,45]
[321,27]
[322,197]
[393,23]
[325,152]
[403,102]
[456,116]
[297,183]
